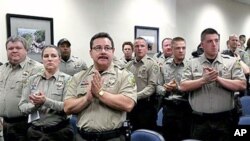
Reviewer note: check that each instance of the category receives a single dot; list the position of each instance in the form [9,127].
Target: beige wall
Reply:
[78,20]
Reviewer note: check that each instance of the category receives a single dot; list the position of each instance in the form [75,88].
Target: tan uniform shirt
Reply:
[98,116]
[161,59]
[118,62]
[124,62]
[212,97]
[73,65]
[170,71]
[146,73]
[51,112]
[244,56]
[11,83]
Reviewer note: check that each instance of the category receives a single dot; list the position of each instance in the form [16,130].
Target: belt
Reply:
[225,114]
[47,129]
[104,135]
[175,102]
[15,119]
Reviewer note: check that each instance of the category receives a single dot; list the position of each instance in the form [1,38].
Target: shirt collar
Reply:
[217,59]
[55,75]
[110,69]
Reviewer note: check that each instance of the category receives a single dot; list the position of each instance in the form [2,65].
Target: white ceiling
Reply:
[243,1]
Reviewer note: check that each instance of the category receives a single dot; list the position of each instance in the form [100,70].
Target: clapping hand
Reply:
[37,98]
[209,74]
[171,86]
[96,84]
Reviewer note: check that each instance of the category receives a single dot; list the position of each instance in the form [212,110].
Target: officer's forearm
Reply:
[117,101]
[75,105]
[146,92]
[233,85]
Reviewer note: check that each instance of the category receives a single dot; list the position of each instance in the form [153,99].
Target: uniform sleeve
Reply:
[55,104]
[237,72]
[84,65]
[25,105]
[37,68]
[128,86]
[153,73]
[160,90]
[71,88]
[187,72]
[246,59]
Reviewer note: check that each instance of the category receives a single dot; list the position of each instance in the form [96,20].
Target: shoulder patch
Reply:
[225,56]
[155,69]
[131,80]
[118,66]
[237,65]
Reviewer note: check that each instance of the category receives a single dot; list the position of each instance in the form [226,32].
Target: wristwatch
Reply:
[101,93]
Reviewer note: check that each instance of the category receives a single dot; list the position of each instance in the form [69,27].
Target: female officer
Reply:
[42,100]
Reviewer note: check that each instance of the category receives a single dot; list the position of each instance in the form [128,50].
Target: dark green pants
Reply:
[63,134]
[212,128]
[16,131]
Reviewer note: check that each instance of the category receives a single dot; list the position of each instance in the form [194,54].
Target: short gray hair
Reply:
[17,39]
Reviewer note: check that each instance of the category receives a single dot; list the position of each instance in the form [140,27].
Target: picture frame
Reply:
[151,34]
[38,31]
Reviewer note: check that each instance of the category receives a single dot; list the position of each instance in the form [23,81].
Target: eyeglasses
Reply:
[99,48]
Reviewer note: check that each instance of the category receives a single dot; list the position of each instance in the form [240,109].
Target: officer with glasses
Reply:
[101,95]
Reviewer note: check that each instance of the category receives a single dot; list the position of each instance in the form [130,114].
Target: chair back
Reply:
[146,135]
[159,118]
[245,102]
[244,120]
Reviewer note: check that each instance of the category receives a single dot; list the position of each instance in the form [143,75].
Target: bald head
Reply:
[233,42]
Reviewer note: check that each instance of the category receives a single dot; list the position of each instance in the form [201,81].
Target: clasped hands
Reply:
[209,74]
[171,86]
[95,87]
[37,98]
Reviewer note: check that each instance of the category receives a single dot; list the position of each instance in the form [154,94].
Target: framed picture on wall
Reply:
[151,34]
[38,31]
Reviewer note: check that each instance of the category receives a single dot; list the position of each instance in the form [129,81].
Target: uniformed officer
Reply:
[127,49]
[176,109]
[101,95]
[42,101]
[166,53]
[235,50]
[146,72]
[212,80]
[69,64]
[241,55]
[13,75]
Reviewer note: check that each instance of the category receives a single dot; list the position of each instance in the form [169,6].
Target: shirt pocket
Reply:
[197,75]
[1,85]
[17,86]
[142,73]
[57,95]
[225,74]
[81,91]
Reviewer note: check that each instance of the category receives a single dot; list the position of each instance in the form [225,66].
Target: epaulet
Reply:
[151,59]
[63,76]
[118,66]
[225,56]
[32,61]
